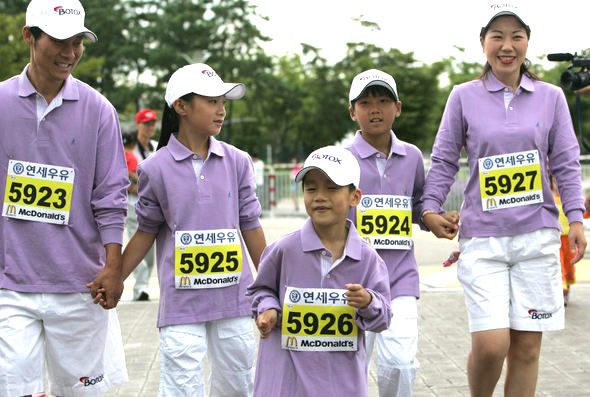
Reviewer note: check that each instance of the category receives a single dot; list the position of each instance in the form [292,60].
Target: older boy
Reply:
[318,289]
[392,179]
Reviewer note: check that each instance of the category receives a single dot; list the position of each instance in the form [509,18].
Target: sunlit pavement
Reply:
[444,338]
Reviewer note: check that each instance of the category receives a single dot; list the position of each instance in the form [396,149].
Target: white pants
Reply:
[79,342]
[396,360]
[513,281]
[230,347]
[143,271]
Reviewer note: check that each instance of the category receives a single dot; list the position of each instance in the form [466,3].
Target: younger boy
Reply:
[318,289]
[392,179]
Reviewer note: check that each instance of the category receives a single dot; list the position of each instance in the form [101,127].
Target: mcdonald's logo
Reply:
[185,281]
[367,239]
[10,209]
[291,341]
[491,203]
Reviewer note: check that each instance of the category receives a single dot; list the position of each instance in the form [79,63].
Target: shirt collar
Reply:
[180,152]
[311,242]
[25,87]
[365,149]
[493,84]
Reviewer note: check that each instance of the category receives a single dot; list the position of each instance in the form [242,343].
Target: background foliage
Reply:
[294,103]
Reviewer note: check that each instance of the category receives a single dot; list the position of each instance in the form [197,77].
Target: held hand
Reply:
[99,297]
[357,296]
[106,289]
[440,226]
[266,321]
[577,241]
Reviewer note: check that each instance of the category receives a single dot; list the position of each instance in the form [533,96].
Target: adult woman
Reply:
[512,126]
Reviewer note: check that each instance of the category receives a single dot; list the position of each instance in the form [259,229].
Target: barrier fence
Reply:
[277,185]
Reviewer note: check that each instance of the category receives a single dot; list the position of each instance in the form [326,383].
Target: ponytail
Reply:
[170,121]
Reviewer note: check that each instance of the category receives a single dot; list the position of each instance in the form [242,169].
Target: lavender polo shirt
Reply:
[403,176]
[476,118]
[83,133]
[171,198]
[295,261]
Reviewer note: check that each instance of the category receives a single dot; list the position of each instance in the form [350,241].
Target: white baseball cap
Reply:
[200,79]
[60,19]
[368,78]
[336,162]
[498,9]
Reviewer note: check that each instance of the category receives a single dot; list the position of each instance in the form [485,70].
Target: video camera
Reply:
[572,80]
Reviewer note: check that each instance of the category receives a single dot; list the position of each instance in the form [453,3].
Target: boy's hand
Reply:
[442,226]
[266,321]
[357,296]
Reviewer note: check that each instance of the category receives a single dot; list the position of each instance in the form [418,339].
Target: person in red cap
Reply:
[145,122]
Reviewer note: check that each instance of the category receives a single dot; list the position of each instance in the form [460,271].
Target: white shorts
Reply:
[77,341]
[513,282]
[231,349]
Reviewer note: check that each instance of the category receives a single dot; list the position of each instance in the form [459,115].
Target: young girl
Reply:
[197,200]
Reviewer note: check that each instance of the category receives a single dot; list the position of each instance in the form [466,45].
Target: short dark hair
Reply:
[35,31]
[374,90]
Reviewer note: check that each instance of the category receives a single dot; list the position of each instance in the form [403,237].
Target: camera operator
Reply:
[585,91]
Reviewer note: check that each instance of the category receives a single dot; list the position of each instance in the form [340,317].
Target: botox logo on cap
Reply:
[502,5]
[334,159]
[66,11]
[209,73]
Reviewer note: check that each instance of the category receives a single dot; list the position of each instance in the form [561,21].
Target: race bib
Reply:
[385,221]
[207,259]
[318,319]
[510,180]
[38,192]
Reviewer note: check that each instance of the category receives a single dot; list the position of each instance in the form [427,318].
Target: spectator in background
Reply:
[145,122]
[258,174]
[129,144]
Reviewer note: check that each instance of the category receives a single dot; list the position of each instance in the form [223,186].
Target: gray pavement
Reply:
[444,338]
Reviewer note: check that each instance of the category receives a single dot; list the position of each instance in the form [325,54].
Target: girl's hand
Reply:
[357,296]
[266,321]
[440,225]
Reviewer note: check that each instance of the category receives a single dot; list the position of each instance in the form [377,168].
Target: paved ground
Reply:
[444,338]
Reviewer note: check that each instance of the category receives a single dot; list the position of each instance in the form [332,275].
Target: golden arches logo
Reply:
[491,203]
[10,209]
[185,281]
[291,341]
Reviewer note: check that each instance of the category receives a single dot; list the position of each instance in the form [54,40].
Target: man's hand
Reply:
[107,287]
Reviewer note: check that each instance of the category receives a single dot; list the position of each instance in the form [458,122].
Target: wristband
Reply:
[426,212]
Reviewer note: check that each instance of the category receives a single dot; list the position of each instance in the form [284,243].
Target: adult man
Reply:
[145,122]
[63,174]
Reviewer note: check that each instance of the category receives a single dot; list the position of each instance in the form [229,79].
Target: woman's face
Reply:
[505,45]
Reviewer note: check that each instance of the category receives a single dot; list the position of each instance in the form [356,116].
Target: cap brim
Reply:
[381,83]
[68,35]
[236,90]
[302,172]
[504,13]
